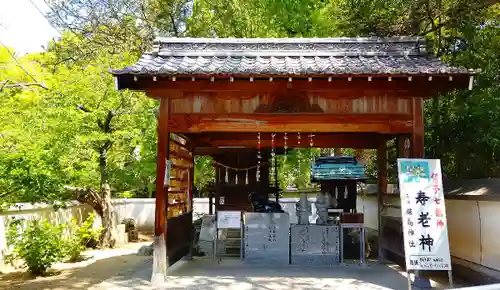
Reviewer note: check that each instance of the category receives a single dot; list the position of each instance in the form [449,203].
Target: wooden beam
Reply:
[419,86]
[305,123]
[322,140]
[417,148]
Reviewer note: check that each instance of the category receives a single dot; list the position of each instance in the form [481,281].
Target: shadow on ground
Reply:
[207,274]
[77,278]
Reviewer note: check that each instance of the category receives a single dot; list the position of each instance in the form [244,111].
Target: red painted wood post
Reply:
[161,205]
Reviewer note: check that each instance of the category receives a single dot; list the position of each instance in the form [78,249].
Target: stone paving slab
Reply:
[207,274]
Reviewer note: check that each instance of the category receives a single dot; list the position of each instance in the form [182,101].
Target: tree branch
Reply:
[6,85]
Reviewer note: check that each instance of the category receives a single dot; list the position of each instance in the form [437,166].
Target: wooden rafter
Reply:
[418,86]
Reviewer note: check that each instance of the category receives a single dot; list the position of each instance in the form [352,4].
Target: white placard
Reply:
[168,167]
[424,215]
[228,219]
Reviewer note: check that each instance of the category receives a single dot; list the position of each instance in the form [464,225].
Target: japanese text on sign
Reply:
[228,219]
[424,214]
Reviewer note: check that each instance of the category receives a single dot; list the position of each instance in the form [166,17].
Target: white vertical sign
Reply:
[424,215]
[168,167]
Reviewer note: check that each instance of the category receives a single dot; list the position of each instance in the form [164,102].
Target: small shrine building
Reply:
[235,99]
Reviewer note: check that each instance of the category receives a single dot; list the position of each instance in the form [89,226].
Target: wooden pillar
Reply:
[381,192]
[210,203]
[218,183]
[418,151]
[191,183]
[161,205]
[417,138]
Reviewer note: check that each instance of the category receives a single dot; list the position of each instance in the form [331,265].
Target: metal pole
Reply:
[450,278]
[216,236]
[362,244]
[408,275]
[341,244]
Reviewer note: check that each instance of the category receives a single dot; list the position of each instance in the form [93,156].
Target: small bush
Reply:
[79,237]
[40,245]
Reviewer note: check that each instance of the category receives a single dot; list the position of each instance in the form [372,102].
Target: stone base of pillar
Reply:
[159,260]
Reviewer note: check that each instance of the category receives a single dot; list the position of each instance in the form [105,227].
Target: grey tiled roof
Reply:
[289,56]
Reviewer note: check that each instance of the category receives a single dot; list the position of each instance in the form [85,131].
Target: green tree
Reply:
[80,134]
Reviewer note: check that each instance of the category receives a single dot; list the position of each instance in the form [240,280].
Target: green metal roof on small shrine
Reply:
[289,57]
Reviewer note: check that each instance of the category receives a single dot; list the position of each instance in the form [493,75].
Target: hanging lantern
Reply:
[236,177]
[227,175]
[246,178]
[298,139]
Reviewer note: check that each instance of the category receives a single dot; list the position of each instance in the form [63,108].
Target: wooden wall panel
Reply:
[243,103]
[365,105]
[210,103]
[182,163]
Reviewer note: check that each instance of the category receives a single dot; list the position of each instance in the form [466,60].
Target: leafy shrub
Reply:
[40,245]
[80,236]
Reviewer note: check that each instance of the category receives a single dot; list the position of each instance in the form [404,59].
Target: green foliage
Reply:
[294,168]
[80,132]
[463,126]
[79,237]
[204,172]
[40,245]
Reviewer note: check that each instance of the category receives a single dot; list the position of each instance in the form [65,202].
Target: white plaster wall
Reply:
[142,210]
[464,229]
[489,213]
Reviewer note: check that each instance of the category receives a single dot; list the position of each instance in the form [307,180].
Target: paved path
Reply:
[205,274]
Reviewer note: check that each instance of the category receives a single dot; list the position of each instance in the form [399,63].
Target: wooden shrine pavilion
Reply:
[234,99]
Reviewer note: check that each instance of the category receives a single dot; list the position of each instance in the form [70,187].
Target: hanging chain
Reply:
[298,152]
[286,143]
[259,156]
[311,140]
[273,154]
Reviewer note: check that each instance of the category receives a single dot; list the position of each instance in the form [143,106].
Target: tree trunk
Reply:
[104,208]
[109,232]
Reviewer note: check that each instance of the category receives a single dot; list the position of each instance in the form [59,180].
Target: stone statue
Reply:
[263,205]
[303,209]
[322,204]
